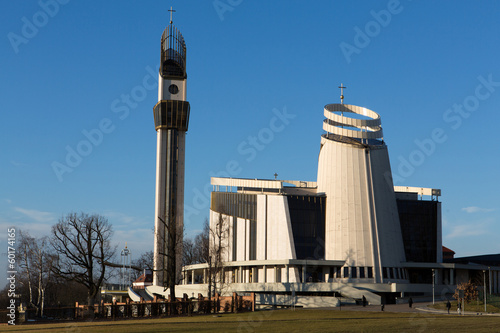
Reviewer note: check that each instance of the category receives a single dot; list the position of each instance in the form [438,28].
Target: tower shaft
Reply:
[171,116]
[354,172]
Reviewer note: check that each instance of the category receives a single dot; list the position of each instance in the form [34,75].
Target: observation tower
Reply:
[171,116]
[361,212]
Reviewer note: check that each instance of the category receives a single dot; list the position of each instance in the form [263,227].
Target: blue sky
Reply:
[81,77]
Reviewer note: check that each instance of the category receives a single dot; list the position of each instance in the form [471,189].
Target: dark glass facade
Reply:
[235,204]
[307,215]
[419,223]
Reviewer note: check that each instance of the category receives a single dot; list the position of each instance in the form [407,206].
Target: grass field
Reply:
[283,321]
[473,306]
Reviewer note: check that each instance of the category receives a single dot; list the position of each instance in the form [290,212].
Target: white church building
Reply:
[349,234]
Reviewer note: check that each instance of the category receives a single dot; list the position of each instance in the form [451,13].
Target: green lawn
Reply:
[473,306]
[283,321]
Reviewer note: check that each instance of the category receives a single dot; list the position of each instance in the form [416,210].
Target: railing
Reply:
[129,309]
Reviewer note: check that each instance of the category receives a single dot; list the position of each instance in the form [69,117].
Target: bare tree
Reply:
[82,243]
[469,291]
[196,251]
[145,261]
[188,252]
[172,255]
[218,244]
[202,243]
[25,262]
[37,263]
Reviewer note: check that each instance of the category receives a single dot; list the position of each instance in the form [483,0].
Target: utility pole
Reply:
[484,288]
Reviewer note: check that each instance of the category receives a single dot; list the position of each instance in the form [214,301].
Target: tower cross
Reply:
[171,12]
[342,93]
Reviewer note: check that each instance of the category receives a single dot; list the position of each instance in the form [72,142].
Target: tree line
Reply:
[77,259]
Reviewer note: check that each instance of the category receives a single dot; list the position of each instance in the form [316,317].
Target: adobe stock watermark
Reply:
[30,27]
[372,29]
[94,137]
[453,117]
[11,275]
[223,6]
[248,149]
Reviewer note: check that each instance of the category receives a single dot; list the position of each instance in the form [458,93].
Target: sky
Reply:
[79,81]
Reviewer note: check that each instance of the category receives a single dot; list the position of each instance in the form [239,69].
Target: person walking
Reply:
[410,302]
[364,301]
[448,306]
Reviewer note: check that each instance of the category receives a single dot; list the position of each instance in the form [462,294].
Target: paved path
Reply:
[417,308]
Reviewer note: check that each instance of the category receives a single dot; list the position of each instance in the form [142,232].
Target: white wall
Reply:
[280,243]
[261,227]
[362,221]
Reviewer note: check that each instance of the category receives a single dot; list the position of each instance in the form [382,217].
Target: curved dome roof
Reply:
[173,53]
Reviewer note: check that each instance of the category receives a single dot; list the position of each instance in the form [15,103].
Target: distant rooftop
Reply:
[260,183]
[245,185]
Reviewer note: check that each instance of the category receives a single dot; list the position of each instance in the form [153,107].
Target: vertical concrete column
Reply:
[303,274]
[495,282]
[452,277]
[192,276]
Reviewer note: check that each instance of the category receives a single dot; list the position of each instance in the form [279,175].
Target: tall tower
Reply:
[171,115]
[362,225]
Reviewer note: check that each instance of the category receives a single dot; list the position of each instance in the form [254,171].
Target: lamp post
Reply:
[489,278]
[433,286]
[484,288]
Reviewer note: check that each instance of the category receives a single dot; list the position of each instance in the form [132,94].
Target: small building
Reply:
[139,287]
[448,254]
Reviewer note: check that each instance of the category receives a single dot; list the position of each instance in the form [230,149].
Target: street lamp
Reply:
[489,278]
[433,286]
[484,288]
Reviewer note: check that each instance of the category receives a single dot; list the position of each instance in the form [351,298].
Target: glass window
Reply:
[361,272]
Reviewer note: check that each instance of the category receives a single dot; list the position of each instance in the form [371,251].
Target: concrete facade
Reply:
[171,116]
[338,237]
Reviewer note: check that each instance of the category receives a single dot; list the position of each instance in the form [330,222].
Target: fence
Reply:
[155,308]
[184,306]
